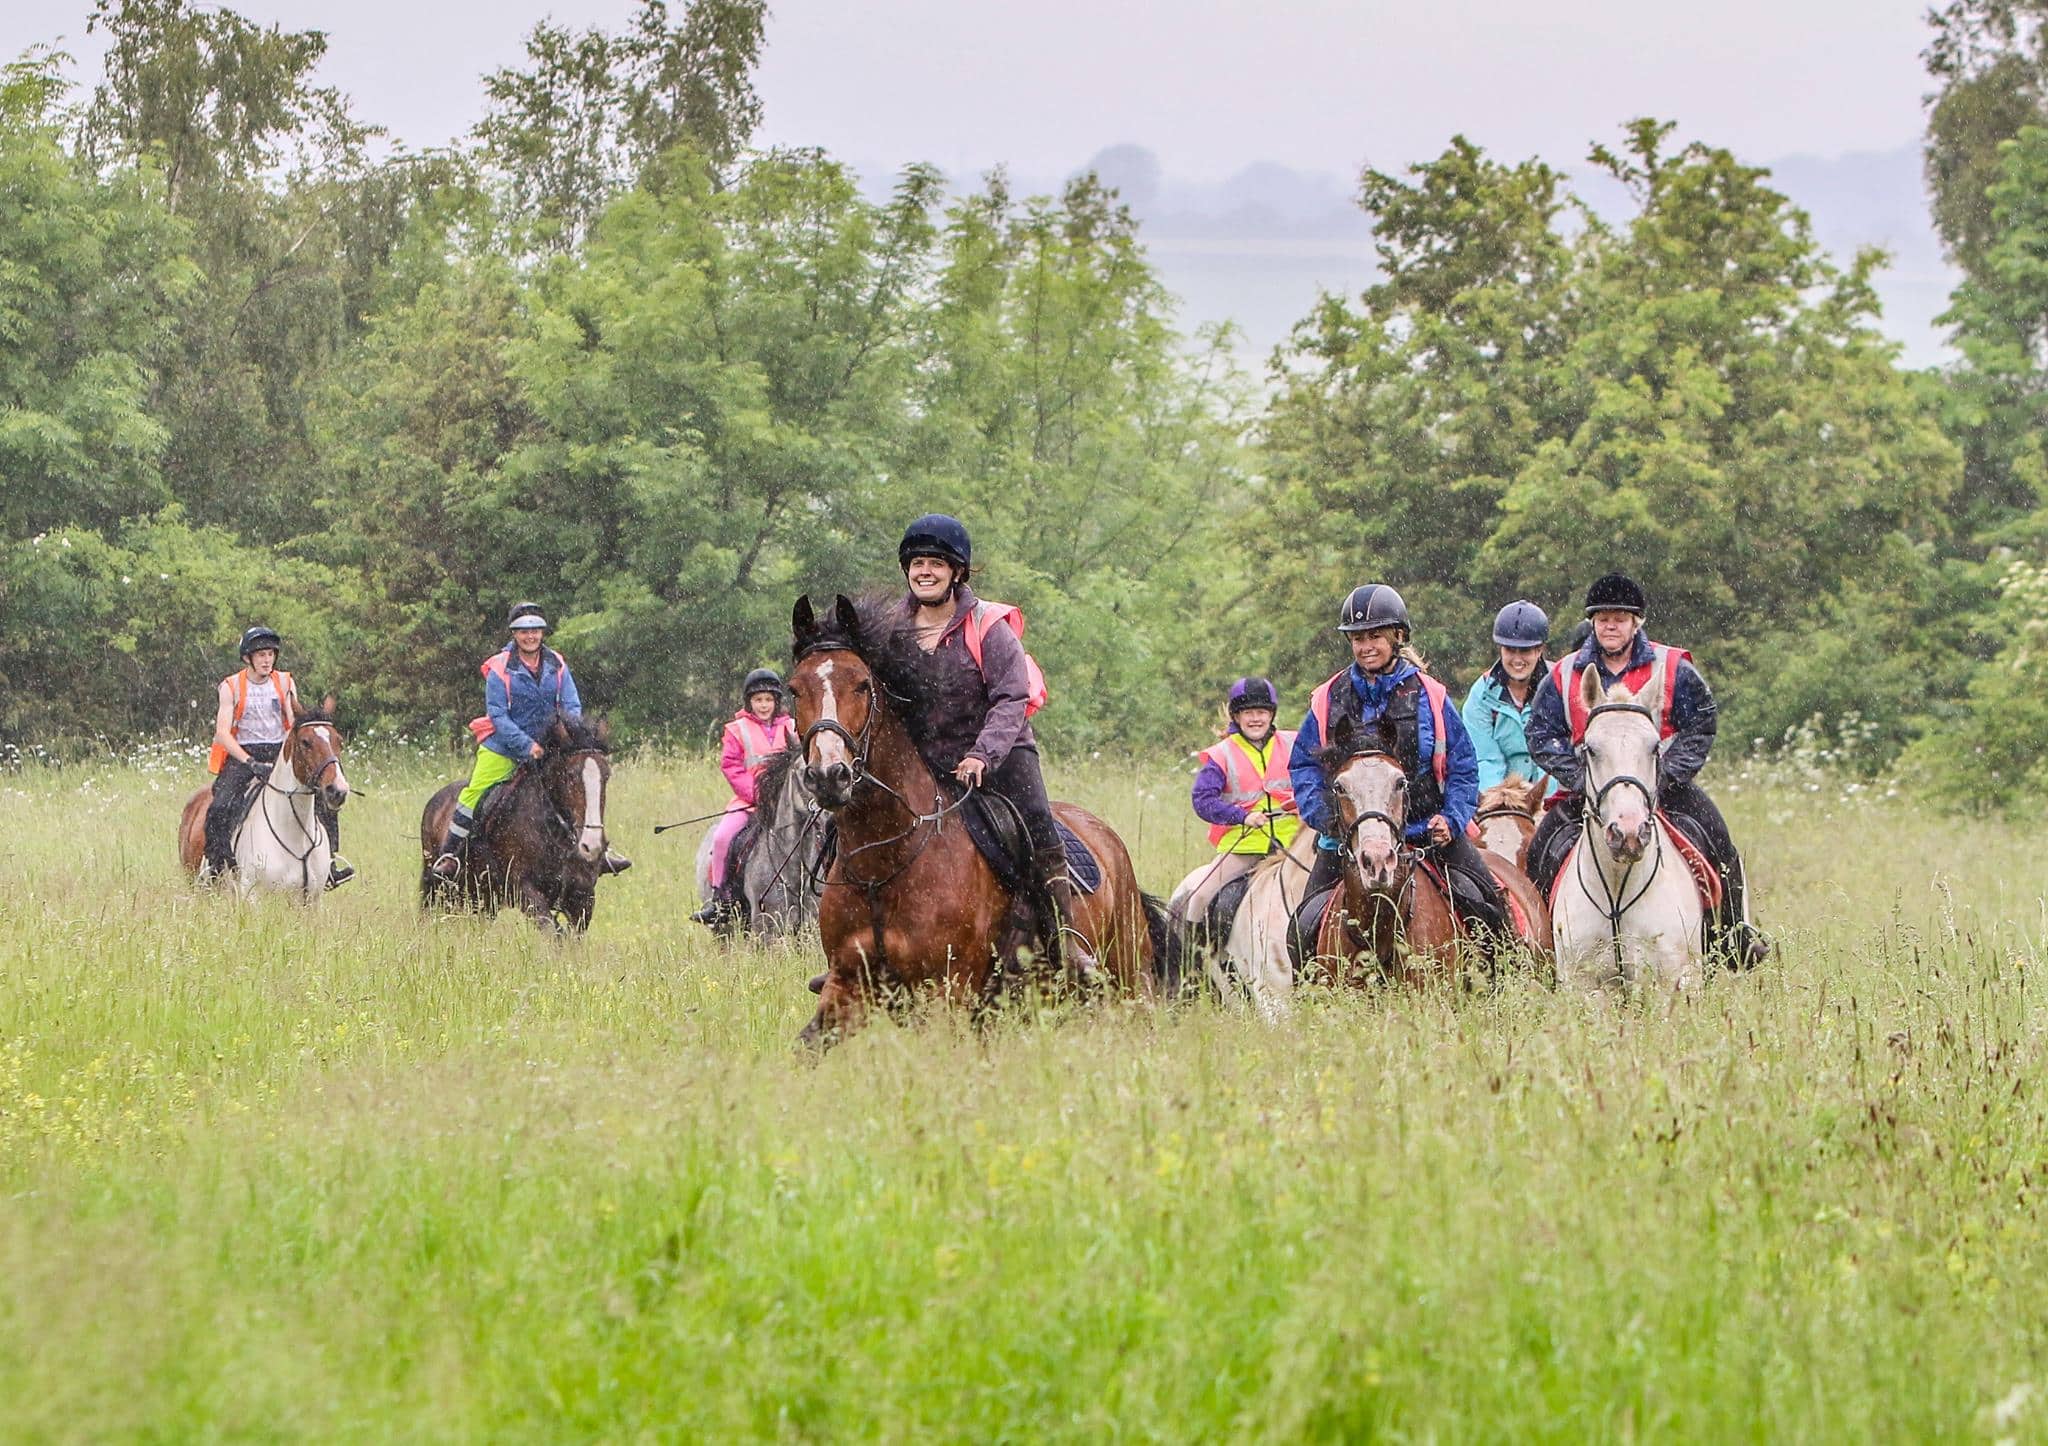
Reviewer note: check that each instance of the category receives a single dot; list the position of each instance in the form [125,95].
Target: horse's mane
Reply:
[1515,793]
[1349,738]
[582,734]
[774,775]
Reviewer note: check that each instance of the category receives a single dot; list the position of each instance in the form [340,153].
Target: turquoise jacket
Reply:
[1496,726]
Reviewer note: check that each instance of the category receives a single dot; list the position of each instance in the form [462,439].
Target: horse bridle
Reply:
[311,785]
[1397,827]
[1613,905]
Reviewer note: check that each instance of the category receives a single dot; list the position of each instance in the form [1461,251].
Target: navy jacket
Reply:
[1692,718]
[1461,786]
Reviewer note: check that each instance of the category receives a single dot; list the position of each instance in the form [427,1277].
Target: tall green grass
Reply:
[350,1173]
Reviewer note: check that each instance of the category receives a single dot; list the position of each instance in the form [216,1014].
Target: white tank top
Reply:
[262,714]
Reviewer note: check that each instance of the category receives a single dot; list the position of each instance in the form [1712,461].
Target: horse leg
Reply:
[842,1010]
[538,907]
[578,904]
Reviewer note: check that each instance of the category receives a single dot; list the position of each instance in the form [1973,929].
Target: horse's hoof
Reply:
[817,984]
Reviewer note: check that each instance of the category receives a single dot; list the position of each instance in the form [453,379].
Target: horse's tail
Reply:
[1169,946]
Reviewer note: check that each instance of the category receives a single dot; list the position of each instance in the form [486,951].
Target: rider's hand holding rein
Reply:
[970,771]
[1439,830]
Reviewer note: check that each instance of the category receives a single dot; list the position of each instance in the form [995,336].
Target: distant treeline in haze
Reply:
[259,363]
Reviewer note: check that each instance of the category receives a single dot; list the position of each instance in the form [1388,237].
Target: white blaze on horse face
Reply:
[831,748]
[590,839]
[1371,786]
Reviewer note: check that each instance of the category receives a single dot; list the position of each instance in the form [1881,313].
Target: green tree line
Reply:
[264,363]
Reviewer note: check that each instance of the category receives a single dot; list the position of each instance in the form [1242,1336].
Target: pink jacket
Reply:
[749,744]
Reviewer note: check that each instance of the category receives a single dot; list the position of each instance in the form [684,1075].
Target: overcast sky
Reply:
[1210,85]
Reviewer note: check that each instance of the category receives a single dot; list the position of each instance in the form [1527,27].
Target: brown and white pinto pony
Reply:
[541,844]
[1393,922]
[1506,820]
[910,906]
[281,843]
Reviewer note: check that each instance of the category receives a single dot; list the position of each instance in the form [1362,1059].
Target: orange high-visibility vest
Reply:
[1243,783]
[1568,676]
[1440,761]
[217,756]
[980,618]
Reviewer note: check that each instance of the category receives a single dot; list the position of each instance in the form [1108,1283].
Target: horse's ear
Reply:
[803,623]
[1589,688]
[849,619]
[603,733]
[327,704]
[1389,737]
[1343,739]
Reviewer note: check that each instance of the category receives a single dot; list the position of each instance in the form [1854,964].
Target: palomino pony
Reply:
[777,857]
[1506,820]
[1393,921]
[540,843]
[1628,909]
[909,902]
[1252,960]
[281,842]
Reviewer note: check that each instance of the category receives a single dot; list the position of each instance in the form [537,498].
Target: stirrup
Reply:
[614,862]
[446,866]
[339,872]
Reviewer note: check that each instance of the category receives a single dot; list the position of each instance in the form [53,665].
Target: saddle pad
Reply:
[1705,877]
[993,823]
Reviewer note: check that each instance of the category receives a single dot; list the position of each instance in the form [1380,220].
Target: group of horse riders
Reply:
[1255,788]
[1524,716]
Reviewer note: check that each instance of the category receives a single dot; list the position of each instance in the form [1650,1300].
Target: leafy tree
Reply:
[1697,394]
[91,274]
[594,114]
[1990,61]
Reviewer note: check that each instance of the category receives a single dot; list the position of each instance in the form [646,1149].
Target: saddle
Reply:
[1314,931]
[1685,838]
[997,829]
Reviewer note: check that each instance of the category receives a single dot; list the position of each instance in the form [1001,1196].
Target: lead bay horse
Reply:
[1393,921]
[540,843]
[910,905]
[281,842]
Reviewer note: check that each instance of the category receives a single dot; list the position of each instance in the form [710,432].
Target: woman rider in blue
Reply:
[1387,679]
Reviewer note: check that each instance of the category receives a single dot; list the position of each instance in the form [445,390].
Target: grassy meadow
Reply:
[348,1174]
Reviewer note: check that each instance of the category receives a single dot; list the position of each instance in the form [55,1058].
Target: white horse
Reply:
[281,843]
[1253,963]
[1628,914]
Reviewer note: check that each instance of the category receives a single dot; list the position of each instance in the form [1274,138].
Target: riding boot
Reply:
[1749,946]
[1051,866]
[614,862]
[339,869]
[220,851]
[454,845]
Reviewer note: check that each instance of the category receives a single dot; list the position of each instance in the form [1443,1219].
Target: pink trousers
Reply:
[721,840]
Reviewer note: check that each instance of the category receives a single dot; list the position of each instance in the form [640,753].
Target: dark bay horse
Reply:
[909,902]
[540,843]
[1393,921]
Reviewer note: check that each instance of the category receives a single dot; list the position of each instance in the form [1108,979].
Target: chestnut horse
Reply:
[281,842]
[541,843]
[1506,820]
[910,905]
[1393,921]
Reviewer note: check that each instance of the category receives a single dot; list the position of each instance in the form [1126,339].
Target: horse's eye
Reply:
[864,688]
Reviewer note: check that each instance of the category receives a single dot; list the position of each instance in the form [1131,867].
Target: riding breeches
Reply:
[1225,869]
[728,827]
[1020,781]
[490,769]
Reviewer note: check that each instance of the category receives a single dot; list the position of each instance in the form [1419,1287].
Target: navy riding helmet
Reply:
[1374,605]
[1521,624]
[1616,592]
[936,535]
[261,637]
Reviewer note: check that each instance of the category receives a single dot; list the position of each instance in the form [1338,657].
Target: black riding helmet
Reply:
[762,680]
[936,535]
[261,637]
[1521,624]
[1374,605]
[1616,592]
